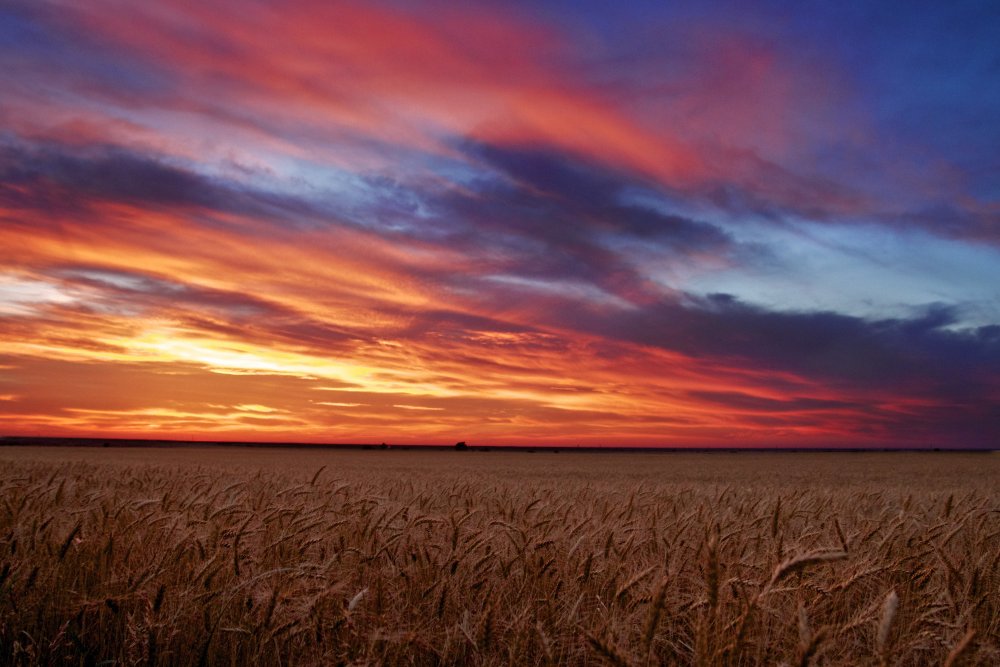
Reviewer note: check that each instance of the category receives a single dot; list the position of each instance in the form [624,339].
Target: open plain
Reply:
[270,556]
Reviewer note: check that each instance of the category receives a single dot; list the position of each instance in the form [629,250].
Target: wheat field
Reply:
[234,557]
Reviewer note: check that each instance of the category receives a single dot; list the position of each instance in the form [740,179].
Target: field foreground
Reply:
[223,556]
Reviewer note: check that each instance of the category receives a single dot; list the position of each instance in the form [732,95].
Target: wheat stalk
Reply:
[889,606]
[607,650]
[801,562]
[959,650]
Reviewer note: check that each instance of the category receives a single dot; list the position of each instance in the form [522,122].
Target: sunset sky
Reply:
[643,223]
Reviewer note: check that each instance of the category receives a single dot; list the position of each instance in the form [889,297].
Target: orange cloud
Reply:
[344,70]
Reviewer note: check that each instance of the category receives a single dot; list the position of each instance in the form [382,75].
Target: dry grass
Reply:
[184,564]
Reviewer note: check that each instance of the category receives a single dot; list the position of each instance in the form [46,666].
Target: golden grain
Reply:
[172,564]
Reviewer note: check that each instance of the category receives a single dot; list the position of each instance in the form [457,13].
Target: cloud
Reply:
[542,215]
[730,400]
[54,178]
[922,354]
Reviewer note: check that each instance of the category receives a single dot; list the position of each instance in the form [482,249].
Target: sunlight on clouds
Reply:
[230,355]
[21,296]
[177,345]
[256,408]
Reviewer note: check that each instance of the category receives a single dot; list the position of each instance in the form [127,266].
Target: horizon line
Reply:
[75,441]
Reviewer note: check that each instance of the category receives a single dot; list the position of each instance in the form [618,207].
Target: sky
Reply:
[532,223]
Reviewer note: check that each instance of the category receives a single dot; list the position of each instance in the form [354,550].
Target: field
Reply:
[232,556]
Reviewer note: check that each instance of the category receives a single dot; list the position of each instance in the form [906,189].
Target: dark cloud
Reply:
[157,292]
[923,354]
[54,178]
[543,215]
[733,400]
[589,197]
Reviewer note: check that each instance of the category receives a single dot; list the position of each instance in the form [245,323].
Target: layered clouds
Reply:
[376,222]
